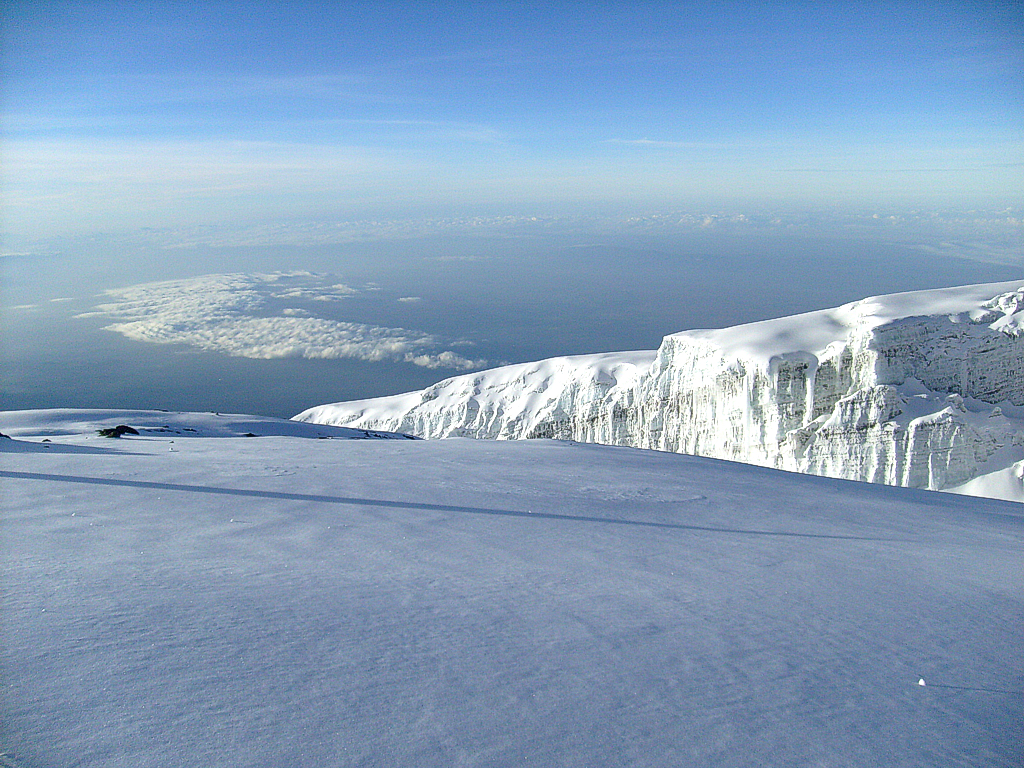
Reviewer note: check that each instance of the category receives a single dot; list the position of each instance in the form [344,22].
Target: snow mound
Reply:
[514,401]
[921,389]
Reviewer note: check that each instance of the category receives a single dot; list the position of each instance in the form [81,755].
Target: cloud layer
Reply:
[266,316]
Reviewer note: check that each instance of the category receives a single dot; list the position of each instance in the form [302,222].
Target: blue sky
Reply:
[133,114]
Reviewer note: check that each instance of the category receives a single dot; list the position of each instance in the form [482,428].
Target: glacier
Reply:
[923,389]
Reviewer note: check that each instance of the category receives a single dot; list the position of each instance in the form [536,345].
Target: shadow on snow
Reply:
[387,504]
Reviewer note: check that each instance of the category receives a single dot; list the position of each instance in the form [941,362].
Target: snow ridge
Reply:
[922,389]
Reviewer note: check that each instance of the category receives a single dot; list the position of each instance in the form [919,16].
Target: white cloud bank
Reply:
[248,316]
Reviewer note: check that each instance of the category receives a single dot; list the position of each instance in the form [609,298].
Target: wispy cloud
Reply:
[255,315]
[663,144]
[53,186]
[63,185]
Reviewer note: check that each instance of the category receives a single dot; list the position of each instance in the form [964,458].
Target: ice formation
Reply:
[922,389]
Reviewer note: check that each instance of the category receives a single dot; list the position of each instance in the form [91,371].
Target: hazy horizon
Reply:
[119,116]
[490,184]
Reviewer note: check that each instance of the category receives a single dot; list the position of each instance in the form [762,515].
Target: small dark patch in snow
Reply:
[120,429]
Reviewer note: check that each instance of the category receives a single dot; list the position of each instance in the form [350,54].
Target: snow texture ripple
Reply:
[192,595]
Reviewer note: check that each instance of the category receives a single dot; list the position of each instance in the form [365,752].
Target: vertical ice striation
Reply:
[812,370]
[893,389]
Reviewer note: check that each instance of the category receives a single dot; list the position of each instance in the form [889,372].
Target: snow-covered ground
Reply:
[923,389]
[205,598]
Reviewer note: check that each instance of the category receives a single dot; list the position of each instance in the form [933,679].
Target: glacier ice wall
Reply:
[922,389]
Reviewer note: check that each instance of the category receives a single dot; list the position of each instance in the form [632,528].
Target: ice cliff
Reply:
[922,389]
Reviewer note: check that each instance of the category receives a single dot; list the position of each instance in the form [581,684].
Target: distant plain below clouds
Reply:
[255,316]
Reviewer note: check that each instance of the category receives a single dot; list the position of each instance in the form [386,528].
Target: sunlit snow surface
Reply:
[205,598]
[1000,305]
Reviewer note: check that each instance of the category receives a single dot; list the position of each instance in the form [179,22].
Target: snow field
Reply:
[290,601]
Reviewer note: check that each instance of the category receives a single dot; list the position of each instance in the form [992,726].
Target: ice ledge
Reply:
[1000,306]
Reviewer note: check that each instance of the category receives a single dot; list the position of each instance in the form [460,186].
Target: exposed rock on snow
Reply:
[25,426]
[922,389]
[116,432]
